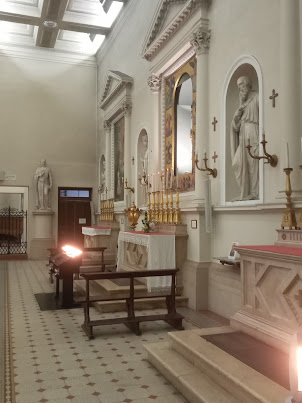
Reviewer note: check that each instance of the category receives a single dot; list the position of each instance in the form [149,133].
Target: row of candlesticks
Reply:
[161,207]
[159,181]
[107,210]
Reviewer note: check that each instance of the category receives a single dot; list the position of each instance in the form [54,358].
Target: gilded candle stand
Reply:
[289,217]
[164,208]
[107,210]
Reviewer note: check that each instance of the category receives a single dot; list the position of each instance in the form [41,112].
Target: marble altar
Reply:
[103,236]
[271,292]
[147,251]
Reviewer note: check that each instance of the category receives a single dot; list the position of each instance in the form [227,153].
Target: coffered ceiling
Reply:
[77,26]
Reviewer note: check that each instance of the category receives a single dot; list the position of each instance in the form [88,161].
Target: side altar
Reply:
[105,235]
[166,248]
[271,292]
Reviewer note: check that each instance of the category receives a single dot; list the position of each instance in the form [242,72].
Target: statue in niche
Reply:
[43,184]
[244,127]
[144,157]
[102,174]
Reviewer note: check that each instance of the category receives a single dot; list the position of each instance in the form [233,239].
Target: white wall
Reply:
[48,110]
[238,27]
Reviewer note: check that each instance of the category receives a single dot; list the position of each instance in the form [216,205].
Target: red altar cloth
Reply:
[283,250]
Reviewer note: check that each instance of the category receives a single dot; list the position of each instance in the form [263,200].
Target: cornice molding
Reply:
[47,55]
[156,38]
[108,94]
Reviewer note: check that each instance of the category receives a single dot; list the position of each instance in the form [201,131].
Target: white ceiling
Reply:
[78,26]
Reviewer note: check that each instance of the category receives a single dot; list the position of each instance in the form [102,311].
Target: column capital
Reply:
[201,40]
[107,125]
[126,107]
[154,83]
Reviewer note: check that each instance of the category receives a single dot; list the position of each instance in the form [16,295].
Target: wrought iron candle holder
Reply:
[289,217]
[143,180]
[127,187]
[210,171]
[271,159]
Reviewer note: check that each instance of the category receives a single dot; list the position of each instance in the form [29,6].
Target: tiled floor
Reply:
[54,362]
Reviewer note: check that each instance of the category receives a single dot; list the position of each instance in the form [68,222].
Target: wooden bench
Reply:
[131,320]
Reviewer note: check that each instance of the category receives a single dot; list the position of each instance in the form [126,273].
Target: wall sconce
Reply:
[210,171]
[127,187]
[144,180]
[295,370]
[271,159]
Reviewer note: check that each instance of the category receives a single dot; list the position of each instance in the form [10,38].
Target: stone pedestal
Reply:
[107,241]
[289,237]
[43,234]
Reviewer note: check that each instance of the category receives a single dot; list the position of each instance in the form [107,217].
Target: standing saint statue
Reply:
[43,184]
[244,127]
[144,155]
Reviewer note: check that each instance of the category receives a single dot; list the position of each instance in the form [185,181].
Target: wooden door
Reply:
[73,214]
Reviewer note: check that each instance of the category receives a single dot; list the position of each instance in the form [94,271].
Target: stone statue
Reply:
[244,127]
[43,184]
[144,155]
[102,174]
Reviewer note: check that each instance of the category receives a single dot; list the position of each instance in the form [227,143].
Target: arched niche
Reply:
[142,166]
[243,120]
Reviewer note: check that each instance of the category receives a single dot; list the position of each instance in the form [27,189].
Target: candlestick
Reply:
[287,156]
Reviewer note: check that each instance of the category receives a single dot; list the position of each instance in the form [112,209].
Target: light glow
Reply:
[106,20]
[299,367]
[71,251]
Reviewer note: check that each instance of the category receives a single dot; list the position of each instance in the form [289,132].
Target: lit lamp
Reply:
[295,370]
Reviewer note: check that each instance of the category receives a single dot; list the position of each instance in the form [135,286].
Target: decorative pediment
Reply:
[115,82]
[170,16]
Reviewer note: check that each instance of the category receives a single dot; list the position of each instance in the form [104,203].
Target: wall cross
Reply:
[273,97]
[214,123]
[214,157]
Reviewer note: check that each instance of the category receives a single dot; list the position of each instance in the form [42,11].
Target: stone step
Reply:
[120,305]
[192,383]
[243,382]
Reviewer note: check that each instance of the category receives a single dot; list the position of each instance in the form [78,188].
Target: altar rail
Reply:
[131,321]
[13,231]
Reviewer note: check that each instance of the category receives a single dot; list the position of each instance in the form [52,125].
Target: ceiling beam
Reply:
[89,29]
[52,10]
[19,18]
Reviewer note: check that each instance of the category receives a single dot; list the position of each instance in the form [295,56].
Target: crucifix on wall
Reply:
[214,157]
[214,123]
[273,97]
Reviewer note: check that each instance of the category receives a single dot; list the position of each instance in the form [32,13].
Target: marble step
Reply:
[191,382]
[118,306]
[243,382]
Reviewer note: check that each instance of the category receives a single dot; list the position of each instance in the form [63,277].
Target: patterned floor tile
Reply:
[55,363]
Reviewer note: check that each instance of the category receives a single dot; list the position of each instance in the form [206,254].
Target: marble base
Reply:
[38,248]
[108,241]
[289,237]
[194,278]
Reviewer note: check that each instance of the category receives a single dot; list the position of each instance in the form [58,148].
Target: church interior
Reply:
[151,201]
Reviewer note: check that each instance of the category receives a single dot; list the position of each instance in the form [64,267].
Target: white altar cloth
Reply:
[161,254]
[92,231]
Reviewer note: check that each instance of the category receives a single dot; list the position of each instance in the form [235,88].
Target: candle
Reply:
[205,153]
[286,156]
[263,137]
[167,176]
[158,181]
[177,177]
[301,144]
[171,179]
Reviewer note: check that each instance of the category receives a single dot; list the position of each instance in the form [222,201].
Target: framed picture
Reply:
[233,255]
[194,224]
